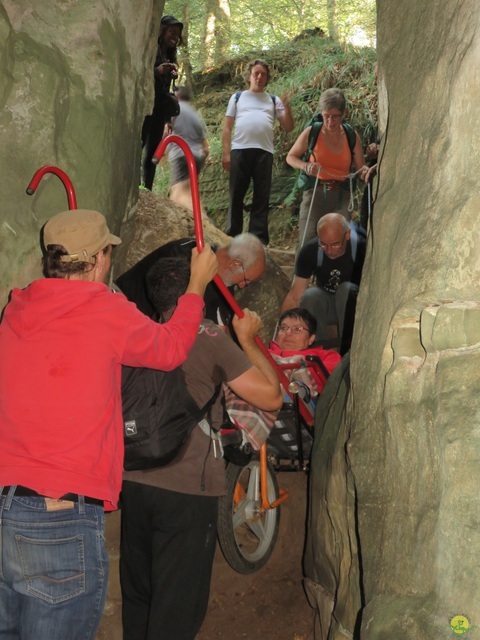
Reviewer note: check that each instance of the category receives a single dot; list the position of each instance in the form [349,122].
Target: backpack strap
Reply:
[312,138]
[274,100]
[351,138]
[194,410]
[272,96]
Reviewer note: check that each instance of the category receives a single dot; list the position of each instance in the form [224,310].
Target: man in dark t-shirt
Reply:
[335,259]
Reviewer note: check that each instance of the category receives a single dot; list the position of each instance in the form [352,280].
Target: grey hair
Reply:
[247,248]
[183,93]
[332,99]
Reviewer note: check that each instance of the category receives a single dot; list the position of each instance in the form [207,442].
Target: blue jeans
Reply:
[53,569]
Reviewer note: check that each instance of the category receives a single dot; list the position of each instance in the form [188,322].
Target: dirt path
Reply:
[270,604]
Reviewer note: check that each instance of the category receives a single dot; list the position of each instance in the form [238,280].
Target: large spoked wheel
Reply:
[247,534]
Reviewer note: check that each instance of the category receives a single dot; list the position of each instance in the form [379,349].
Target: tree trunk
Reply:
[207,52]
[222,31]
[332,19]
[185,49]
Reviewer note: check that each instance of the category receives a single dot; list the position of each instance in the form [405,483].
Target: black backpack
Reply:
[159,414]
[305,181]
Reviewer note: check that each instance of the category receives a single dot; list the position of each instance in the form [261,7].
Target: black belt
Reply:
[330,185]
[72,497]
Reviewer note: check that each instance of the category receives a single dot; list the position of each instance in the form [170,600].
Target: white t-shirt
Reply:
[254,115]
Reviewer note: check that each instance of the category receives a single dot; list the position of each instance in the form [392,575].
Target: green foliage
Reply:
[265,24]
[302,69]
[161,181]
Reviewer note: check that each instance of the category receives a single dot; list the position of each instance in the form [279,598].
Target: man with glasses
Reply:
[335,258]
[240,262]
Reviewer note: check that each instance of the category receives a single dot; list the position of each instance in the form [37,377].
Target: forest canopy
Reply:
[216,30]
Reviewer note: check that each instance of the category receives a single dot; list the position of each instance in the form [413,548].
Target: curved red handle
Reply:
[67,183]
[197,211]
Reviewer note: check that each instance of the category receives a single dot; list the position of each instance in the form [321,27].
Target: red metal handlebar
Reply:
[67,183]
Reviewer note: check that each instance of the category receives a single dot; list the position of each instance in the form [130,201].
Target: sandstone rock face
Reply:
[75,84]
[409,438]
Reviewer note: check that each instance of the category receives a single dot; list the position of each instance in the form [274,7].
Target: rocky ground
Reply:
[270,604]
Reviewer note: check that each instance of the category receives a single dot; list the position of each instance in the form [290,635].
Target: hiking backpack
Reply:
[305,181]
[159,414]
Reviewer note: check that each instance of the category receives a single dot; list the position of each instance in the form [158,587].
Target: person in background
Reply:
[63,340]
[165,71]
[366,206]
[190,126]
[328,165]
[249,158]
[335,257]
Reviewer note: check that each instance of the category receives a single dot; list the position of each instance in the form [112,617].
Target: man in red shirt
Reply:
[63,340]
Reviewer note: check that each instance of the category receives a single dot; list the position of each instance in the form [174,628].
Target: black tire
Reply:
[247,537]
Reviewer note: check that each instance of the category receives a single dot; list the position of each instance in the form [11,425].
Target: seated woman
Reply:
[334,148]
[294,341]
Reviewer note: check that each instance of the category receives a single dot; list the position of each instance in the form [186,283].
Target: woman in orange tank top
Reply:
[330,163]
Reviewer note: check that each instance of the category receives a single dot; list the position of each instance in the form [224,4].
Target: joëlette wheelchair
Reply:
[249,513]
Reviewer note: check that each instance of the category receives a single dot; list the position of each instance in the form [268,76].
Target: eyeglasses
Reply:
[296,329]
[245,280]
[332,245]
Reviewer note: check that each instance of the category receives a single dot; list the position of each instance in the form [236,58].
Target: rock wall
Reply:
[412,447]
[75,83]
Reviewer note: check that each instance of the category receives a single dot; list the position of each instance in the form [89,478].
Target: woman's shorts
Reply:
[179,169]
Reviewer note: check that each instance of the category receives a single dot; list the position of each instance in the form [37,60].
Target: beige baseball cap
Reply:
[82,232]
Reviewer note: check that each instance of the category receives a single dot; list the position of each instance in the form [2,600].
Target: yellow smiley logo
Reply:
[460,625]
